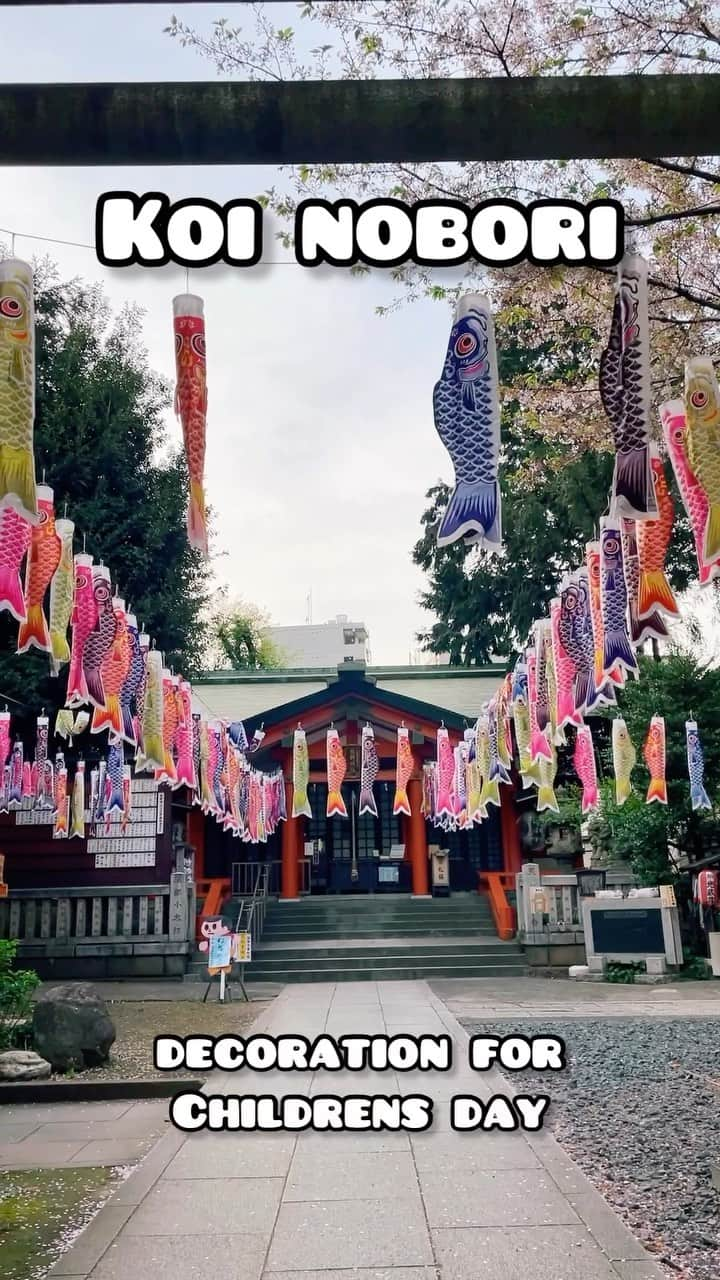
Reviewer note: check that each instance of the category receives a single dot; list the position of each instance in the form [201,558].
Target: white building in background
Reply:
[326,644]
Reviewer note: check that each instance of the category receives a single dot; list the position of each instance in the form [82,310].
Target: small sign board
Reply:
[243,948]
[388,875]
[220,951]
[440,868]
[397,851]
[538,902]
[667,895]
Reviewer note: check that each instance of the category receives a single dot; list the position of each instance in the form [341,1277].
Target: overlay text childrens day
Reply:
[354,1112]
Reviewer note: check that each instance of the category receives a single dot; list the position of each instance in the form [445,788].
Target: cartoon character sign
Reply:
[220,944]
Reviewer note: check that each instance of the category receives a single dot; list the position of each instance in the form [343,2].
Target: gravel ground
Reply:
[137,1025]
[638,1110]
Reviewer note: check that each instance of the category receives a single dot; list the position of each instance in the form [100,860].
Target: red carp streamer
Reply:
[191,406]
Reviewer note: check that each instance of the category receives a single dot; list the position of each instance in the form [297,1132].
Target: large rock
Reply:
[23,1064]
[72,1026]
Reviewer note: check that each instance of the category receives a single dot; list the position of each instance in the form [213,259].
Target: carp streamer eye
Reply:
[465,345]
[197,342]
[698,399]
[178,343]
[611,546]
[11,308]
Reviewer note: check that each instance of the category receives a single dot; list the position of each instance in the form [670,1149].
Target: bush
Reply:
[16,988]
[623,973]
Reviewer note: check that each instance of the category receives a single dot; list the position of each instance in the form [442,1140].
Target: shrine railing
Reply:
[244,877]
[99,917]
[496,884]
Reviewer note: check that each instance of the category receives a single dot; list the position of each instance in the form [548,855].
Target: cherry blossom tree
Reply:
[672,204]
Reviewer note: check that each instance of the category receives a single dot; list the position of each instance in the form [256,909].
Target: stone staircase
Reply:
[350,938]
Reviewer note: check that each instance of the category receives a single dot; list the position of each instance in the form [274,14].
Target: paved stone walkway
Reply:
[520,999]
[360,1206]
[58,1135]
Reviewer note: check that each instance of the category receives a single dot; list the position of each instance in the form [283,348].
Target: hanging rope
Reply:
[79,244]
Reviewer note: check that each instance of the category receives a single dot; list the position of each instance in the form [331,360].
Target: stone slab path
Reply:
[58,1135]
[358,1206]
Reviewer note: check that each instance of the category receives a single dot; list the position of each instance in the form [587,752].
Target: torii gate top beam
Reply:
[360,121]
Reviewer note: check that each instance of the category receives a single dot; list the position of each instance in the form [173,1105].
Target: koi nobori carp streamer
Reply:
[654,757]
[301,775]
[702,411]
[404,765]
[369,769]
[61,596]
[624,758]
[17,388]
[625,391]
[42,561]
[694,497]
[466,408]
[653,539]
[585,767]
[191,406]
[336,770]
[699,798]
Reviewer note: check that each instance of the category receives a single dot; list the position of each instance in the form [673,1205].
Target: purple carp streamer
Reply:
[625,391]
[466,407]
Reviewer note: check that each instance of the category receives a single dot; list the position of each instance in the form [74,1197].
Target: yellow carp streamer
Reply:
[17,388]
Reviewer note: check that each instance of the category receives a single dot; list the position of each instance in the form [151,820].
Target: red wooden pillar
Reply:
[289,868]
[417,841]
[509,833]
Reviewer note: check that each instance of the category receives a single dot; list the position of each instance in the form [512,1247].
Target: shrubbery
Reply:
[16,989]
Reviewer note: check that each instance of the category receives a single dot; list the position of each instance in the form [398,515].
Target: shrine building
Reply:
[357,854]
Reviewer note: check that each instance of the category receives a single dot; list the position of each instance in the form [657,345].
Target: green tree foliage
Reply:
[101,442]
[16,988]
[242,642]
[678,688]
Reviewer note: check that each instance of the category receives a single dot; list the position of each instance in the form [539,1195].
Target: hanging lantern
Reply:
[707,888]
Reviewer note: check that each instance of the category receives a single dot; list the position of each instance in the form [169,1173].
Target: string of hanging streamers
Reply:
[576,658]
[79,244]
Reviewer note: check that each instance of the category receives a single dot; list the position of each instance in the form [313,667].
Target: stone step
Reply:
[367,937]
[487,939]
[384,947]
[363,902]
[375,973]
[398,972]
[336,949]
[284,964]
[358,917]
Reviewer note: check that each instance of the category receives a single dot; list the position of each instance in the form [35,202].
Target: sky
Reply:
[320,443]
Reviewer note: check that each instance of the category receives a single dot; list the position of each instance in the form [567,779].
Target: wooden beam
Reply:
[96,4]
[360,121]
